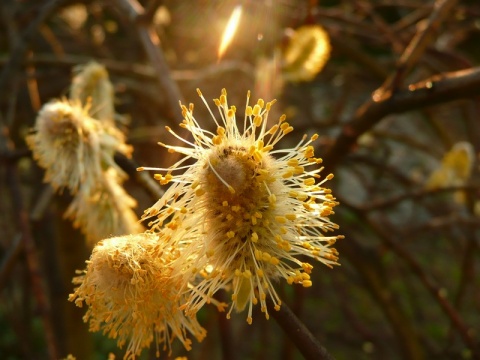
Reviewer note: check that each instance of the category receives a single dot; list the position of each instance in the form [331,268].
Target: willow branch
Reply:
[20,49]
[32,262]
[437,89]
[428,283]
[303,339]
[151,45]
[426,31]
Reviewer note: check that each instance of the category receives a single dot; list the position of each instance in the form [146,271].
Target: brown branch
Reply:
[151,44]
[138,69]
[21,46]
[412,53]
[304,340]
[416,268]
[9,260]
[434,90]
[371,270]
[415,195]
[32,262]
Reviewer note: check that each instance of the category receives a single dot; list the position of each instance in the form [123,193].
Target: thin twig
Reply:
[21,46]
[416,48]
[32,262]
[415,195]
[416,268]
[151,44]
[9,260]
[437,89]
[304,340]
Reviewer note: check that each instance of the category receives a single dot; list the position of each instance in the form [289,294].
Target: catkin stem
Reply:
[306,343]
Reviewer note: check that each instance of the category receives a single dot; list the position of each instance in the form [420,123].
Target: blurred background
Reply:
[391,86]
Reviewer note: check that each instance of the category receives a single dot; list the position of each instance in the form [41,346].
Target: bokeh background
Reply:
[396,106]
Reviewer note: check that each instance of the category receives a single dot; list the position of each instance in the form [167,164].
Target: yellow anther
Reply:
[257,155]
[282,118]
[267,148]
[247,274]
[223,99]
[260,272]
[288,130]
[307,245]
[230,234]
[299,170]
[307,283]
[274,261]
[254,220]
[254,237]
[330,176]
[235,208]
[249,320]
[238,272]
[199,92]
[258,254]
[280,219]
[249,111]
[260,144]
[195,184]
[287,174]
[266,256]
[221,130]
[257,120]
[292,162]
[270,103]
[217,140]
[272,199]
[305,276]
[302,197]
[309,181]
[309,151]
[199,192]
[273,130]
[291,216]
[229,217]
[307,267]
[256,110]
[225,203]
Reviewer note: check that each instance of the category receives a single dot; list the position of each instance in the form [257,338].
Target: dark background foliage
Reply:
[400,89]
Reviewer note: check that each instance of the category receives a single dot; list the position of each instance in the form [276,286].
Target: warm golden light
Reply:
[230,30]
